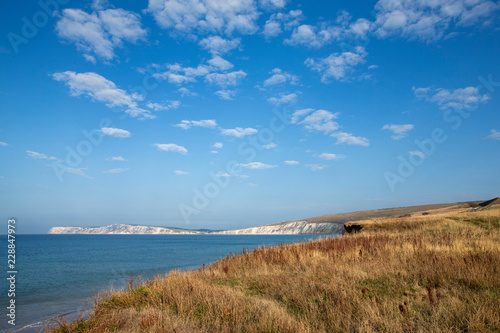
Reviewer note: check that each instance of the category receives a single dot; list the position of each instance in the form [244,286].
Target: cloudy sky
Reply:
[234,113]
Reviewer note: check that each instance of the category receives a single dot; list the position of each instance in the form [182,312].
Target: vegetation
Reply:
[434,273]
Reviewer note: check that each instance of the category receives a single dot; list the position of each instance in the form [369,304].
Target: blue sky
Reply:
[228,114]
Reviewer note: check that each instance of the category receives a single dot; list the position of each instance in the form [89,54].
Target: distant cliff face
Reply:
[291,228]
[120,229]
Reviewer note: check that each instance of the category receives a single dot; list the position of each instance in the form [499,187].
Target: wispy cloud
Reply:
[330,156]
[495,135]
[117,170]
[179,172]
[283,99]
[315,167]
[187,124]
[3,144]
[171,147]
[399,131]
[118,158]
[338,66]
[292,162]
[35,155]
[416,153]
[224,80]
[257,165]
[226,94]
[78,171]
[348,138]
[463,98]
[115,132]
[164,106]
[239,132]
[270,145]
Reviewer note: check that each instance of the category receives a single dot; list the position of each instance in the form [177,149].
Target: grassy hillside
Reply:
[425,273]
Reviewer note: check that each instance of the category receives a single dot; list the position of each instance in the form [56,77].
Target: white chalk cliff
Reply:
[286,228]
[121,229]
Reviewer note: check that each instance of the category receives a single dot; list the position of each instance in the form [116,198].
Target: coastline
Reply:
[428,263]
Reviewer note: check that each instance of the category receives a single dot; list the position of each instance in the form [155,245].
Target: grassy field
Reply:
[431,273]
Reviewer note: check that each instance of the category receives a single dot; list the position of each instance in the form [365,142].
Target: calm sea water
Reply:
[59,273]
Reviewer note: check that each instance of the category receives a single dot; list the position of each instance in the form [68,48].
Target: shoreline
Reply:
[409,273]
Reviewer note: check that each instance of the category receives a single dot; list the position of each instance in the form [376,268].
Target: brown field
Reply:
[381,213]
[424,273]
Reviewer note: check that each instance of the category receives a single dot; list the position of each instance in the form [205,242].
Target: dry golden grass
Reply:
[433,273]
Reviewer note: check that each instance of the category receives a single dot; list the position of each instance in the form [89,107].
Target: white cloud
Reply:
[215,72]
[399,131]
[35,155]
[348,138]
[100,32]
[337,65]
[206,16]
[220,63]
[179,172]
[495,135]
[222,174]
[171,147]
[187,124]
[218,45]
[218,145]
[186,92]
[78,171]
[226,79]
[292,162]
[283,99]
[430,20]
[272,4]
[257,165]
[164,106]
[417,153]
[270,145]
[3,144]
[279,21]
[225,94]
[118,170]
[177,74]
[102,90]
[298,114]
[316,167]
[329,156]
[239,132]
[115,132]
[326,33]
[214,152]
[321,120]
[118,158]
[463,98]
[280,77]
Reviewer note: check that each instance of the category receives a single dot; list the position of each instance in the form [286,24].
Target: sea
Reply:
[59,274]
